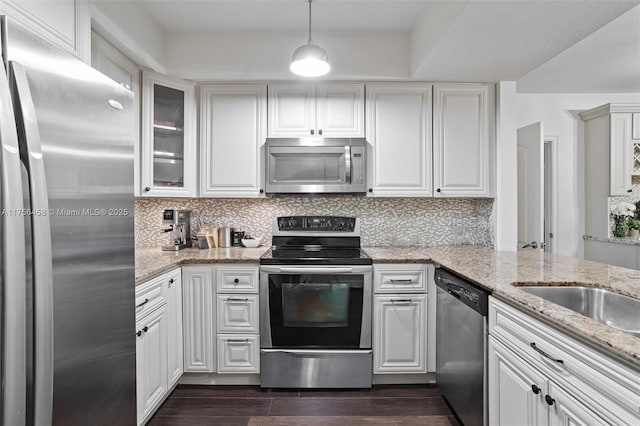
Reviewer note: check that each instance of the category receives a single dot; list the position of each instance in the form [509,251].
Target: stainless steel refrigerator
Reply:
[67,251]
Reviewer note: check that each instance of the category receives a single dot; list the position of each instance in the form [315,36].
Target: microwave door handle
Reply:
[347,156]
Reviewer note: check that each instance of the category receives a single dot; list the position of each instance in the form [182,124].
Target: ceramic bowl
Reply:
[252,243]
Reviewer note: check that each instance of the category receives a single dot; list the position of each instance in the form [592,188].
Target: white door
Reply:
[198,298]
[461,133]
[399,330]
[292,110]
[399,131]
[531,186]
[340,109]
[175,361]
[516,391]
[233,125]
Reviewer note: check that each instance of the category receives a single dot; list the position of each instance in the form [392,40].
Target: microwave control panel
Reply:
[317,223]
[357,165]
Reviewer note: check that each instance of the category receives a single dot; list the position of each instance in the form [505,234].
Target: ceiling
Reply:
[546,45]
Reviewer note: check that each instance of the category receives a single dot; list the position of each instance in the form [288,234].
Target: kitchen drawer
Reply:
[238,353]
[238,313]
[400,278]
[237,279]
[150,296]
[593,378]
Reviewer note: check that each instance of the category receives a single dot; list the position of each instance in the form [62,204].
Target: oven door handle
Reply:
[308,352]
[315,270]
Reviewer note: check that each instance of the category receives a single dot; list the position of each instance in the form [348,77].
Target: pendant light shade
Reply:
[310,60]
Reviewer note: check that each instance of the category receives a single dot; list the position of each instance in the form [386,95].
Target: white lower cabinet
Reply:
[539,376]
[175,362]
[151,363]
[400,331]
[399,334]
[198,291]
[238,353]
[221,319]
[158,341]
[238,313]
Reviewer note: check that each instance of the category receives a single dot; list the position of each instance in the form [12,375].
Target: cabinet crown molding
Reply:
[608,109]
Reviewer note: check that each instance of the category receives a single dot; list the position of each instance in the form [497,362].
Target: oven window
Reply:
[315,311]
[315,304]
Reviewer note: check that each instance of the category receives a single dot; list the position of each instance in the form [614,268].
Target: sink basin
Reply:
[607,307]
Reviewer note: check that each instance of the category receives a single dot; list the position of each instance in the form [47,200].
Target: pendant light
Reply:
[310,60]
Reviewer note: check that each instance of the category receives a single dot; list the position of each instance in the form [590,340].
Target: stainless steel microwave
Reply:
[315,165]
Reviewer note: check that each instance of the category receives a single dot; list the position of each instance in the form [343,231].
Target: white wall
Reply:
[506,205]
[237,56]
[130,28]
[559,112]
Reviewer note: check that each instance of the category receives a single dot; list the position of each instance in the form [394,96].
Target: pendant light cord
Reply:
[310,41]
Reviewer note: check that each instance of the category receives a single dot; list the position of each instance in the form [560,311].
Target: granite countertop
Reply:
[624,241]
[495,271]
[151,262]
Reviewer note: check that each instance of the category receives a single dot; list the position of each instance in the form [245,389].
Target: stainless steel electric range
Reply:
[315,305]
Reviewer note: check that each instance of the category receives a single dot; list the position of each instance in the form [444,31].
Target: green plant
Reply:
[633,223]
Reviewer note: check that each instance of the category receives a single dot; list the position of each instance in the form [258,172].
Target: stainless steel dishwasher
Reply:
[461,346]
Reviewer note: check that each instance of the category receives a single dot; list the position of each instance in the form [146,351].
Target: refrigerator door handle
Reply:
[13,281]
[31,155]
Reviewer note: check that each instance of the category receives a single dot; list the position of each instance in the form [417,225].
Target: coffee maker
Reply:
[178,225]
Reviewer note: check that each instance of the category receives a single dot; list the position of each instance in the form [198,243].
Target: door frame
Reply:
[552,243]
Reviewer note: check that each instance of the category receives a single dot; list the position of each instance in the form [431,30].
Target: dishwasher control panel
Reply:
[463,290]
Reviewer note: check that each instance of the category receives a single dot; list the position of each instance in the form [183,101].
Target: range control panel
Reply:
[317,223]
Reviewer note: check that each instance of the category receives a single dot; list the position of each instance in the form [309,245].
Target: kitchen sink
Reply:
[613,309]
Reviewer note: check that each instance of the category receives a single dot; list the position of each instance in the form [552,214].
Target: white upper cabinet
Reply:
[115,65]
[399,132]
[65,23]
[635,133]
[340,109]
[168,137]
[327,109]
[233,124]
[621,154]
[463,129]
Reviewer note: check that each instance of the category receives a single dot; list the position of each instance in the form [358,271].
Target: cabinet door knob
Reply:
[139,333]
[313,132]
[535,389]
[320,132]
[549,400]
[171,281]
[370,189]
[147,189]
[236,280]
[145,328]
[261,191]
[629,190]
[438,190]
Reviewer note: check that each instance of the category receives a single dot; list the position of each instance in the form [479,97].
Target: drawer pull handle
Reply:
[236,299]
[404,281]
[549,400]
[236,280]
[544,354]
[401,300]
[535,389]
[144,330]
[237,340]
[142,304]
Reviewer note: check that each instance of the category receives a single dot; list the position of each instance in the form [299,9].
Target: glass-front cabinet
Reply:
[168,137]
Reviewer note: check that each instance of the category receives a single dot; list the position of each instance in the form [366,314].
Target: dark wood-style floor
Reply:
[252,406]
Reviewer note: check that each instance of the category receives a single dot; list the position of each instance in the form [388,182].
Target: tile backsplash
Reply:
[384,221]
